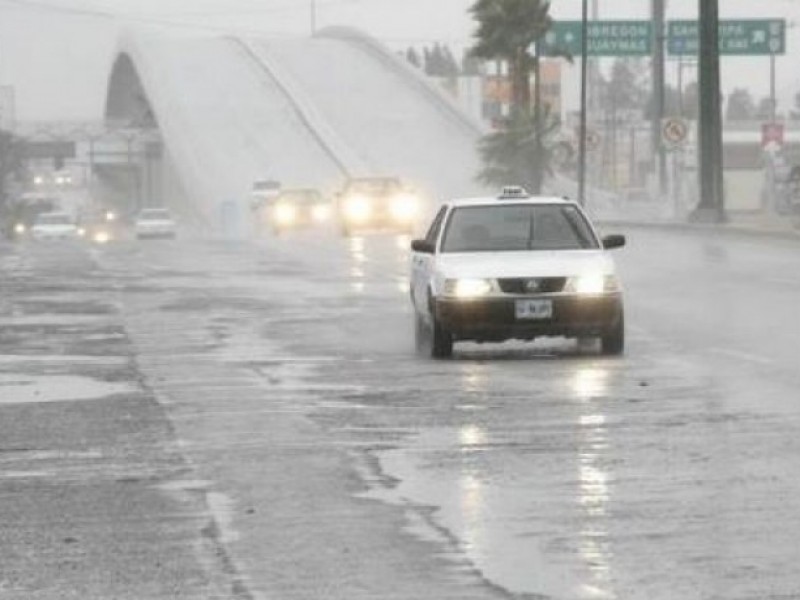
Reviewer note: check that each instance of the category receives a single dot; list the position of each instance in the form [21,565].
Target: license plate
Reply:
[534,309]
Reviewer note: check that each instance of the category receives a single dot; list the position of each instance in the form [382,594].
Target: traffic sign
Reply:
[674,132]
[605,38]
[772,135]
[755,37]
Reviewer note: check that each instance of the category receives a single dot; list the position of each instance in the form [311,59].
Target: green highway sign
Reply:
[606,38]
[759,37]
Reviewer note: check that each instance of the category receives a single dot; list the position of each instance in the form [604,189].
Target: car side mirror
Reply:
[614,241]
[423,246]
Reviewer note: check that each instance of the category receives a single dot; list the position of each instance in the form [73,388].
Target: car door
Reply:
[423,264]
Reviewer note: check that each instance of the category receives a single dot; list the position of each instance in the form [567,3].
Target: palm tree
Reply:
[521,153]
[507,30]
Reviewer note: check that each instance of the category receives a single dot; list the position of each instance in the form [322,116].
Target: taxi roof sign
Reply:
[513,192]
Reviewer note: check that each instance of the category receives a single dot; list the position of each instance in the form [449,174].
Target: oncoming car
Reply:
[154,223]
[297,209]
[54,226]
[515,267]
[377,203]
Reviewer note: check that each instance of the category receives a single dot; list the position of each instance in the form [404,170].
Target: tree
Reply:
[507,30]
[626,88]
[521,153]
[470,65]
[794,114]
[12,166]
[741,106]
[412,56]
[765,109]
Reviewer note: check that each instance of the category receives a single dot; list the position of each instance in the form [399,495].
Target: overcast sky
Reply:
[67,47]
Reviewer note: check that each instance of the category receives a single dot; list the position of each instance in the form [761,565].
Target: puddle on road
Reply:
[17,360]
[51,320]
[27,389]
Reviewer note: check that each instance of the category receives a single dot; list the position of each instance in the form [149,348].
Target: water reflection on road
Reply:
[590,386]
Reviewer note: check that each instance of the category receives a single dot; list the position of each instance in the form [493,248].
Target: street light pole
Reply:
[582,128]
[660,156]
[711,206]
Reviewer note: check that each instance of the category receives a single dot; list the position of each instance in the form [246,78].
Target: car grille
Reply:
[533,285]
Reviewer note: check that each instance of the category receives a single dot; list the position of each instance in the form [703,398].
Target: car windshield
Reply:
[373,186]
[266,186]
[54,219]
[155,214]
[517,227]
[300,197]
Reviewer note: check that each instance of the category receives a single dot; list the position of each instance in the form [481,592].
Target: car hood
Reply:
[495,265]
[155,223]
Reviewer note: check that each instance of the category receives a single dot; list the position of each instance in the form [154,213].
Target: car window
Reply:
[302,197]
[54,220]
[155,215]
[373,186]
[433,233]
[517,227]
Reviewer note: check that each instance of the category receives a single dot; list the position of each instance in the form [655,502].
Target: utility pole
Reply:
[659,153]
[773,99]
[582,127]
[711,207]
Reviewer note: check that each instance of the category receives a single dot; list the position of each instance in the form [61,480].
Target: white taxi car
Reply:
[54,226]
[515,267]
[153,223]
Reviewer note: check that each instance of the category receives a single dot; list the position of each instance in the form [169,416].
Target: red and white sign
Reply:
[772,135]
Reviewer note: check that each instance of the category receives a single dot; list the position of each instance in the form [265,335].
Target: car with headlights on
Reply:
[377,203]
[515,267]
[54,226]
[155,223]
[294,209]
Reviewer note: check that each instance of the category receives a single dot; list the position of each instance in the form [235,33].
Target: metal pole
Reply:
[659,153]
[773,100]
[582,128]
[711,206]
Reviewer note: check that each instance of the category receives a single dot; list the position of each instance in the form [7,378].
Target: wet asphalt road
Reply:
[249,420]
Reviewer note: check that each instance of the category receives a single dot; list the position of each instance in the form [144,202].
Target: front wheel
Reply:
[613,342]
[441,341]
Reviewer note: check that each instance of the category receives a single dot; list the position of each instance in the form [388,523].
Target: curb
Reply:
[723,229]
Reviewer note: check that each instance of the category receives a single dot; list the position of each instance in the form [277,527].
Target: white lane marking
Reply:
[743,356]
[37,389]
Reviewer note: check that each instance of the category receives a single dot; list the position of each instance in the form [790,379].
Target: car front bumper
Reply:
[495,319]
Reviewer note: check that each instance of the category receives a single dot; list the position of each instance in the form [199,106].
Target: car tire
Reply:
[420,333]
[441,341]
[613,342]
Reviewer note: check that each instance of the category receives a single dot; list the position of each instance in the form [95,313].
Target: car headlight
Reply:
[285,214]
[404,207]
[588,285]
[20,228]
[101,237]
[111,216]
[320,213]
[358,209]
[468,288]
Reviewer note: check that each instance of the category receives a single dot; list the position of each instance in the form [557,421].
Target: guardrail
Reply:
[418,80]
[345,158]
